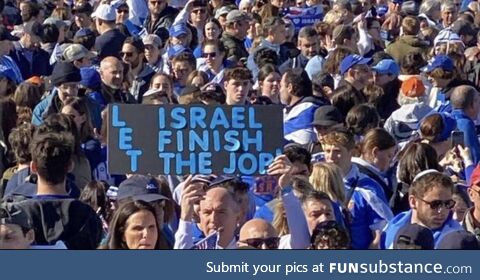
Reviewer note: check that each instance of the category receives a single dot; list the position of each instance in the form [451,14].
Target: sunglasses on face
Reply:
[153,3]
[437,204]
[212,54]
[127,54]
[199,11]
[123,11]
[270,243]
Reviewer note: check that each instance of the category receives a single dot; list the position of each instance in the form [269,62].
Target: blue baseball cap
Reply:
[175,50]
[439,61]
[352,60]
[7,72]
[178,30]
[90,78]
[83,32]
[387,66]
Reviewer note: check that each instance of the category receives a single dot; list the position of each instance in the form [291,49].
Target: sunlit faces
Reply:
[130,55]
[13,237]
[317,211]
[141,231]
[338,155]
[67,90]
[424,207]
[271,86]
[156,6]
[112,74]
[212,31]
[309,46]
[237,91]
[78,119]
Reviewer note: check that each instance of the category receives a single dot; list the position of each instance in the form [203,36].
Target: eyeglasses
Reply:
[199,11]
[123,11]
[212,54]
[127,54]
[436,204]
[153,3]
[271,242]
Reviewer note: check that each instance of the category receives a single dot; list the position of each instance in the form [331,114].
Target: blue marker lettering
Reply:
[231,137]
[125,138]
[257,140]
[134,154]
[197,140]
[251,118]
[116,122]
[242,165]
[197,117]
[219,119]
[178,115]
[205,163]
[167,157]
[238,117]
[164,138]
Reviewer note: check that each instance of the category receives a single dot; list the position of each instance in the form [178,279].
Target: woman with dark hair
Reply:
[197,79]
[134,226]
[361,119]
[212,31]
[94,194]
[377,150]
[8,121]
[160,91]
[214,55]
[269,82]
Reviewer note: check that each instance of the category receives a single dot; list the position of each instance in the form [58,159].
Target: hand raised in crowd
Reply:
[283,168]
[465,155]
[393,22]
[192,194]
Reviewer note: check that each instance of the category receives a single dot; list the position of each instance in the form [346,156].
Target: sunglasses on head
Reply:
[270,243]
[437,204]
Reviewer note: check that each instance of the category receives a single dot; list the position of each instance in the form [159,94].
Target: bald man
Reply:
[111,74]
[219,211]
[465,101]
[259,234]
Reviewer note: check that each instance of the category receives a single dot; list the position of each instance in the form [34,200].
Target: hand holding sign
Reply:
[282,167]
[192,194]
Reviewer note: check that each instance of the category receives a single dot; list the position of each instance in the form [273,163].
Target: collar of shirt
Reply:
[352,175]
[368,165]
[231,245]
[270,45]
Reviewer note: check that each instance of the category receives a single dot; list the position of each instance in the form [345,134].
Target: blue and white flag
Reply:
[208,243]
[304,16]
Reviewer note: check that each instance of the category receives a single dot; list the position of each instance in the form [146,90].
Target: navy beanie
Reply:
[65,72]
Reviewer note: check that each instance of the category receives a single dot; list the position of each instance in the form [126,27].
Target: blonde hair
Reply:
[327,178]
[279,221]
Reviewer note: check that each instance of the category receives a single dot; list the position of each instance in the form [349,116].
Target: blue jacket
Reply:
[465,124]
[298,118]
[39,66]
[390,232]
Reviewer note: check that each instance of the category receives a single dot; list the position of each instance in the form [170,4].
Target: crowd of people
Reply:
[381,110]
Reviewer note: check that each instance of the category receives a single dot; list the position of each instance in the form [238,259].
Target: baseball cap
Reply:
[414,236]
[222,11]
[152,39]
[463,27]
[387,66]
[327,115]
[178,30]
[56,21]
[459,240]
[440,61]
[412,87]
[5,35]
[352,60]
[400,2]
[76,52]
[84,8]
[33,28]
[236,15]
[175,50]
[105,12]
[475,177]
[226,178]
[340,30]
[213,91]
[90,78]
[14,214]
[140,187]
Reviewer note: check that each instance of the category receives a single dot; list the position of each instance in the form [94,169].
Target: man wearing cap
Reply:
[6,46]
[82,14]
[409,41]
[133,54]
[78,55]
[465,101]
[236,28]
[430,199]
[55,215]
[403,122]
[160,18]
[65,77]
[385,75]
[16,228]
[356,72]
[153,46]
[110,41]
[221,15]
[27,54]
[195,14]
[471,222]
[326,119]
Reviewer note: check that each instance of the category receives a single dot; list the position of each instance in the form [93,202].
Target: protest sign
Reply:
[304,16]
[195,139]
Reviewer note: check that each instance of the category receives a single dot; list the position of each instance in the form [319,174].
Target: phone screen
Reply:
[457,138]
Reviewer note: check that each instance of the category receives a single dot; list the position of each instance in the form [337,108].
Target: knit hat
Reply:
[65,72]
[413,87]
[414,236]
[90,78]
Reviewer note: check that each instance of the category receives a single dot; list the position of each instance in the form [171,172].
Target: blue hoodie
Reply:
[390,231]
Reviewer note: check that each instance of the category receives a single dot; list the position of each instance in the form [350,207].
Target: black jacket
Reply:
[69,220]
[109,43]
[162,24]
[235,48]
[40,65]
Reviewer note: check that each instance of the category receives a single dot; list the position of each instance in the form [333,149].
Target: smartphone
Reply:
[457,138]
[384,35]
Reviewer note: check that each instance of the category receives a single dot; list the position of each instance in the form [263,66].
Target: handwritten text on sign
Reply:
[197,139]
